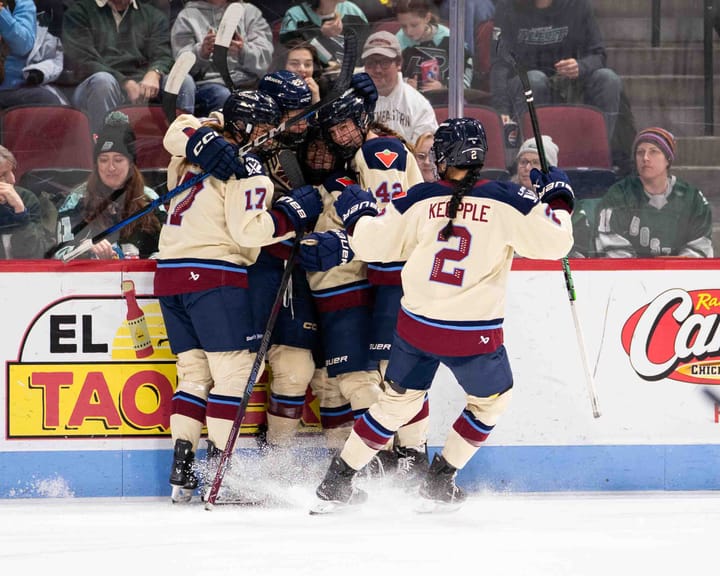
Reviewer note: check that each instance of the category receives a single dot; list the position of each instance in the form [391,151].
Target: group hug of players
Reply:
[394,277]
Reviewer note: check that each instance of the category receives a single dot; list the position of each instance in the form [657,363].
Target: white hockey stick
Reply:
[226,30]
[174,81]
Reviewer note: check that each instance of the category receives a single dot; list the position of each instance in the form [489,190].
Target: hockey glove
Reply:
[353,203]
[298,207]
[365,88]
[213,153]
[554,188]
[321,251]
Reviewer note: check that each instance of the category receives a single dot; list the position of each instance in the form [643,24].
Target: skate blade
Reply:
[181,495]
[326,507]
[436,507]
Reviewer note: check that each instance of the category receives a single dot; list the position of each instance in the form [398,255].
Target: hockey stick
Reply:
[225,32]
[339,89]
[569,284]
[712,395]
[174,81]
[292,170]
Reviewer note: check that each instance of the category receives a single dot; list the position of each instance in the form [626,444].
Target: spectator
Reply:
[476,12]
[559,43]
[114,191]
[28,71]
[654,213]
[301,57]
[528,159]
[422,147]
[249,53]
[399,105]
[423,39]
[120,52]
[21,229]
[321,23]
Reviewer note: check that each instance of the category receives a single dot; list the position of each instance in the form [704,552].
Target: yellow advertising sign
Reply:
[81,400]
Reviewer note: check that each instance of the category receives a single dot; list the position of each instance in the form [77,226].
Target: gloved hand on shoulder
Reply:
[213,153]
[321,251]
[353,203]
[298,207]
[554,188]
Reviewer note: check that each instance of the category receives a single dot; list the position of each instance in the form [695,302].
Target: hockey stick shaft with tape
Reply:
[569,284]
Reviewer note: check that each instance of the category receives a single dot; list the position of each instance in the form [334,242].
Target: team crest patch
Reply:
[387,157]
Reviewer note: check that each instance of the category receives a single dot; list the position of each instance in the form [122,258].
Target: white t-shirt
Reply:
[406,111]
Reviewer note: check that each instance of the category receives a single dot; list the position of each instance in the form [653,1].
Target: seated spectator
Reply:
[422,148]
[399,106]
[21,54]
[424,40]
[559,43]
[583,217]
[119,51]
[654,213]
[114,191]
[249,53]
[321,23]
[301,57]
[21,228]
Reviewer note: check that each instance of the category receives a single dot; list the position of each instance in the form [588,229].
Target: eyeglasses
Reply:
[524,163]
[383,63]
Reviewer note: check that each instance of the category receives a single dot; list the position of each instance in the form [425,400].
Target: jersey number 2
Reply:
[455,277]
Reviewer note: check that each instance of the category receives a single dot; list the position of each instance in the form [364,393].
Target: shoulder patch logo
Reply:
[387,157]
[345,181]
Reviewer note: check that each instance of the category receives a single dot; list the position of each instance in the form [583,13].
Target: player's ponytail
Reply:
[460,188]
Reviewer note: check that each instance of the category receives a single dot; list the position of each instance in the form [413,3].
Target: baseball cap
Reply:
[383,43]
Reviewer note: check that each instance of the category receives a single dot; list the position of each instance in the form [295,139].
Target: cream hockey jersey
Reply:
[384,166]
[214,229]
[454,290]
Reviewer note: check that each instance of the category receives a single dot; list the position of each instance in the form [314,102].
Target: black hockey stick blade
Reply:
[225,33]
[174,81]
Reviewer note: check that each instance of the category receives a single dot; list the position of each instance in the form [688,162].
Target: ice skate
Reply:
[438,491]
[382,465]
[182,475]
[336,492]
[412,465]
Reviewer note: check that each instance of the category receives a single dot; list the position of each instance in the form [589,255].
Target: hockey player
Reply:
[213,232]
[295,333]
[457,238]
[358,303]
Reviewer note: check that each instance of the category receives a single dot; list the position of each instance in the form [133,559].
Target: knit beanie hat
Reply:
[551,149]
[661,138]
[116,136]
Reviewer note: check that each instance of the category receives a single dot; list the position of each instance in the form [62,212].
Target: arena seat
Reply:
[47,136]
[579,131]
[149,123]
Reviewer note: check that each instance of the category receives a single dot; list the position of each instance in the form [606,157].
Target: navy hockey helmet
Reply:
[460,142]
[247,109]
[288,89]
[350,106]
[347,107]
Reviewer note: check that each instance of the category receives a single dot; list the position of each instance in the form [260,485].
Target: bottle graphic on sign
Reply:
[136,322]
